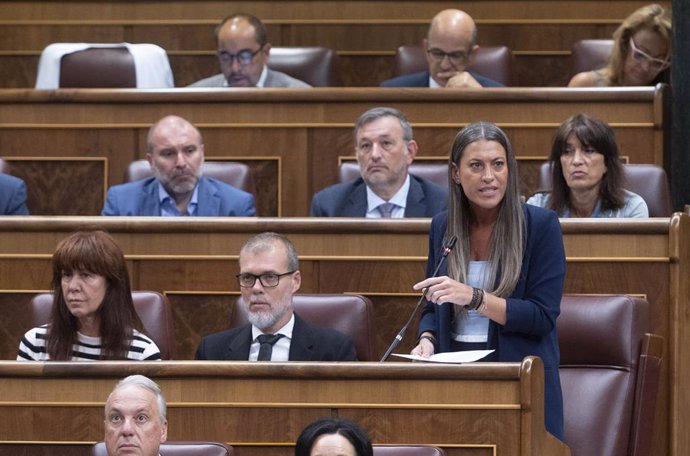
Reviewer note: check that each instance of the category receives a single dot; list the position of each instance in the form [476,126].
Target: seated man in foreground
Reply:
[135,418]
[385,149]
[269,276]
[175,150]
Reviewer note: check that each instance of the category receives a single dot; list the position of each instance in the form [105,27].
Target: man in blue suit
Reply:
[449,46]
[176,152]
[385,149]
[12,196]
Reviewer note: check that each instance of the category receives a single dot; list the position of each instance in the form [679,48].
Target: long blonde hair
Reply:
[507,239]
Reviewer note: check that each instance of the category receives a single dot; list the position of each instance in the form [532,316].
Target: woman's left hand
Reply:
[444,289]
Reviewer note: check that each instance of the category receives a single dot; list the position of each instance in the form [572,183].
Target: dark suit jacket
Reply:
[531,309]
[309,343]
[422,80]
[215,199]
[425,199]
[12,196]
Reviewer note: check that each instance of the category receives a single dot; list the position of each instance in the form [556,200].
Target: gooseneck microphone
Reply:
[447,248]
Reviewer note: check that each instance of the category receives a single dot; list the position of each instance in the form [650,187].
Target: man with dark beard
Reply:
[269,276]
[175,151]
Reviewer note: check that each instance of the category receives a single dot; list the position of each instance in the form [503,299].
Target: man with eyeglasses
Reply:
[243,52]
[450,45]
[269,276]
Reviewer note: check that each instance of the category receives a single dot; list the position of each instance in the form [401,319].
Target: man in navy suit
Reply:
[449,46]
[269,276]
[176,152]
[12,196]
[385,149]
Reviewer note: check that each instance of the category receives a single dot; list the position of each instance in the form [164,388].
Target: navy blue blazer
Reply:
[309,343]
[215,199]
[12,196]
[531,309]
[421,79]
[425,199]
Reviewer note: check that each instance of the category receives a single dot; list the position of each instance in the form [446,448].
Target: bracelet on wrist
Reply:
[428,337]
[476,300]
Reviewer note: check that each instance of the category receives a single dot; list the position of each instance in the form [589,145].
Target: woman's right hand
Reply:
[424,348]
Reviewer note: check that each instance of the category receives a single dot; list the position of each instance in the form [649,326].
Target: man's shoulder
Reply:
[339,190]
[8,181]
[222,188]
[333,201]
[131,188]
[217,80]
[420,79]
[429,187]
[279,79]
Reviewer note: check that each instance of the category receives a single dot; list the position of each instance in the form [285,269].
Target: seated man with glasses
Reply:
[449,45]
[269,276]
[243,52]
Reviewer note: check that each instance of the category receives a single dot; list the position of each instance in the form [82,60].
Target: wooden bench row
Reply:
[365,34]
[70,145]
[193,262]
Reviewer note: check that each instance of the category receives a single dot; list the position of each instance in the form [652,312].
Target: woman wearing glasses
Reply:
[641,52]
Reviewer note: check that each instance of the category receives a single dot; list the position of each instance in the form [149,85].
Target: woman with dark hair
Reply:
[333,437]
[587,174]
[502,284]
[641,52]
[93,316]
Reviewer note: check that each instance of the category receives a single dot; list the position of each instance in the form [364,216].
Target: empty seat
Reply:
[648,181]
[494,62]
[352,315]
[588,55]
[317,66]
[152,307]
[237,174]
[609,372]
[94,65]
[436,172]
[179,449]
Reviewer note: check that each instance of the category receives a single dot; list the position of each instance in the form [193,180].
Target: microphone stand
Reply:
[446,251]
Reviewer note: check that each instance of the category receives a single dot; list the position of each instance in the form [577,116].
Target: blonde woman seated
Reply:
[587,174]
[93,316]
[641,52]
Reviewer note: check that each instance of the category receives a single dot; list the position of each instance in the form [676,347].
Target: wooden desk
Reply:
[489,409]
[365,34]
[292,139]
[193,262]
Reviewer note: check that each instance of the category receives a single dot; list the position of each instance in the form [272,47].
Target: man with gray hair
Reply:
[135,418]
[384,148]
[269,276]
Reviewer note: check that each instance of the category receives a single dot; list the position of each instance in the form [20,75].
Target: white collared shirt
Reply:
[433,84]
[281,349]
[399,199]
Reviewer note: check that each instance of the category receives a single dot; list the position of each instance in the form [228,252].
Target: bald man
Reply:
[450,45]
[243,52]
[175,151]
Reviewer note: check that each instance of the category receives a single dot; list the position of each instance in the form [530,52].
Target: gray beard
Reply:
[263,320]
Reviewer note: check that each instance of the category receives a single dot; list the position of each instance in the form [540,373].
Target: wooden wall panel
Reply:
[293,139]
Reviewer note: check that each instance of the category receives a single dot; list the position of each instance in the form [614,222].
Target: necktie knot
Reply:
[266,349]
[386,209]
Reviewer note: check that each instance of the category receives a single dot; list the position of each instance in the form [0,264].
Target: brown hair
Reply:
[598,135]
[95,252]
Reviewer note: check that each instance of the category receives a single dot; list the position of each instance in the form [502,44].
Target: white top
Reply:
[634,206]
[151,64]
[474,327]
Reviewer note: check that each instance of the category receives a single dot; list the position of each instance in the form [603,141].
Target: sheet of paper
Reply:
[450,357]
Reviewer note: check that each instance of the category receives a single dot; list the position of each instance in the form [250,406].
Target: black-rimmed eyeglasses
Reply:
[244,57]
[455,58]
[267,280]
